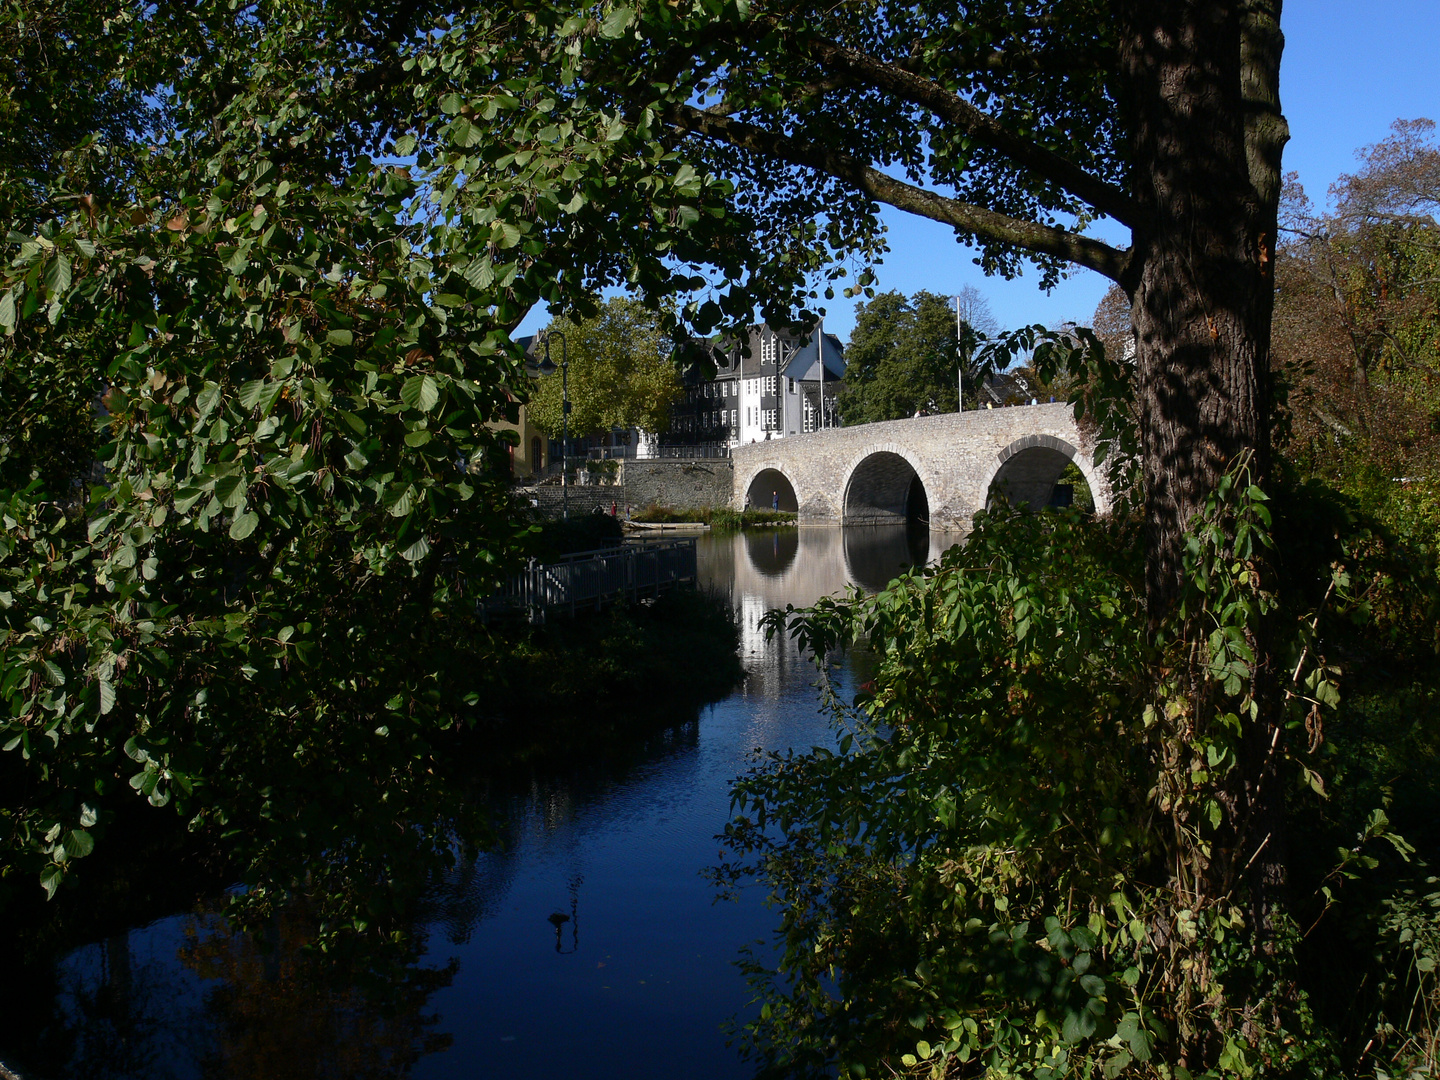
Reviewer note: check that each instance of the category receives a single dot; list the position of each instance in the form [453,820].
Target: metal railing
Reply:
[662,452]
[595,578]
[686,453]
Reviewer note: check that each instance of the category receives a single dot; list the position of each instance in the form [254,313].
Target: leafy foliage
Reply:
[282,421]
[1357,319]
[246,373]
[1008,865]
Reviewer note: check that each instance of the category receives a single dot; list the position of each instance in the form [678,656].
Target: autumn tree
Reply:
[1358,314]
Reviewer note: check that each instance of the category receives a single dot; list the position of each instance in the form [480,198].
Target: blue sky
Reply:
[1350,68]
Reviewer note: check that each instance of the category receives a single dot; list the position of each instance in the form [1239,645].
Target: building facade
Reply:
[768,384]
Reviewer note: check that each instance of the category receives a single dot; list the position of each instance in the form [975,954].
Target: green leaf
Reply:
[616,22]
[340,337]
[1079,1024]
[505,233]
[416,551]
[79,843]
[400,500]
[417,438]
[1117,1064]
[230,490]
[57,276]
[244,525]
[355,423]
[7,311]
[480,273]
[464,133]
[420,392]
[251,392]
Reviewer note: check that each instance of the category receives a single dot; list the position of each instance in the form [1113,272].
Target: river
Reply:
[591,945]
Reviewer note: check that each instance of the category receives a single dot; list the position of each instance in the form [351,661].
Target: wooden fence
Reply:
[595,578]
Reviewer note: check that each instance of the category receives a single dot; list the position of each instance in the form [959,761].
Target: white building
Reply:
[786,386]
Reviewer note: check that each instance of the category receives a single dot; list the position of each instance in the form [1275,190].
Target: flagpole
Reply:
[959,363]
[820,352]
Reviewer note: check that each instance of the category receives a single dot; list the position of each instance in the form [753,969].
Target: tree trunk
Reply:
[1202,285]
[1201,85]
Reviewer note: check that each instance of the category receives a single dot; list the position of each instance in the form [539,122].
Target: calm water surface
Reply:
[636,979]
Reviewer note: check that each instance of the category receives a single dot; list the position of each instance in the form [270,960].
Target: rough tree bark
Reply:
[1207,136]
[1201,277]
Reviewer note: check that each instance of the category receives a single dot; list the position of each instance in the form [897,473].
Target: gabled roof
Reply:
[805,364]
[1007,388]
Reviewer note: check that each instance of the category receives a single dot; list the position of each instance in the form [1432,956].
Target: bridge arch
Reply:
[1027,469]
[772,552]
[768,483]
[885,484]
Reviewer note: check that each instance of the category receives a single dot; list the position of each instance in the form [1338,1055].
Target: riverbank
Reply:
[552,695]
[714,517]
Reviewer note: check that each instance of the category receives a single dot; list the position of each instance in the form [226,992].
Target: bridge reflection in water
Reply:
[765,569]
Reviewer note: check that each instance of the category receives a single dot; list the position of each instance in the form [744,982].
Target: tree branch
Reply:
[831,55]
[977,220]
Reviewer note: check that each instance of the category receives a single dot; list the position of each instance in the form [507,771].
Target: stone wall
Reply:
[548,499]
[679,485]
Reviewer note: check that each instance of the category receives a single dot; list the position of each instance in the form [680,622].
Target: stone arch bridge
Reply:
[938,469]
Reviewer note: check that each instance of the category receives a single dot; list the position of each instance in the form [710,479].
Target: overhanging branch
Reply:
[918,90]
[977,220]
